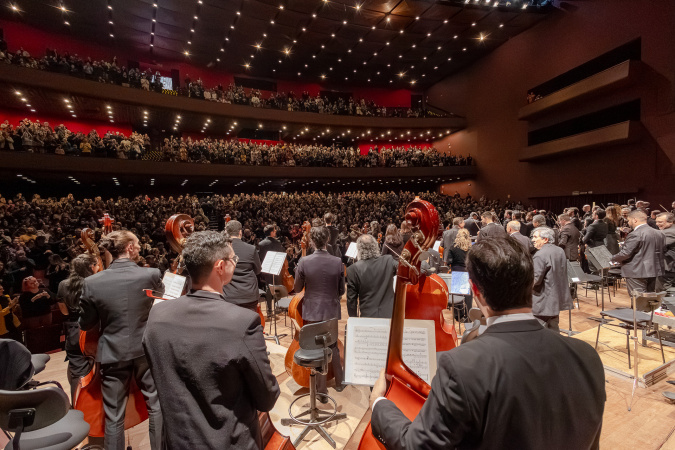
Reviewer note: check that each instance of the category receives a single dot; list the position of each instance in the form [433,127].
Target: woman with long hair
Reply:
[69,302]
[36,303]
[457,255]
[393,242]
[613,220]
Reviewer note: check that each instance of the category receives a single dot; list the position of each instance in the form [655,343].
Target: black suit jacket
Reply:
[370,287]
[322,276]
[569,241]
[269,244]
[115,297]
[491,230]
[209,362]
[642,254]
[517,386]
[524,241]
[449,240]
[472,226]
[595,234]
[526,228]
[333,241]
[243,289]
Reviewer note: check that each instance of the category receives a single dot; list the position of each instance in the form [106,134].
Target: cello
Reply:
[406,389]
[427,300]
[301,374]
[88,396]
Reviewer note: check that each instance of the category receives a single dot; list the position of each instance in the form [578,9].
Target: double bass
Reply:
[301,374]
[405,388]
[88,396]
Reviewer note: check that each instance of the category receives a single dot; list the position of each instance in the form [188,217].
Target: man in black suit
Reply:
[490,229]
[209,357]
[525,227]
[115,299]
[508,217]
[471,224]
[329,218]
[519,398]
[586,209]
[513,230]
[568,237]
[597,231]
[450,235]
[574,216]
[551,292]
[270,243]
[243,289]
[370,287]
[641,257]
[665,223]
[322,276]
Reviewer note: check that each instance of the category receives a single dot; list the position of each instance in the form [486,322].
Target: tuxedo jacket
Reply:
[322,276]
[569,241]
[370,287]
[596,233]
[517,386]
[115,297]
[209,362]
[491,230]
[243,288]
[551,292]
[642,255]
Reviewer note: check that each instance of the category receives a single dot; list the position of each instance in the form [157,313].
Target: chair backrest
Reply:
[312,335]
[16,367]
[51,404]
[278,291]
[648,301]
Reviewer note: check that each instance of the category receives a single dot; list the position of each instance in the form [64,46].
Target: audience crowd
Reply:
[114,72]
[40,137]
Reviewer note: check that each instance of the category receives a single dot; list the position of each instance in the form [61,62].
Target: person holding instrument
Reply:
[211,384]
[481,396]
[322,276]
[115,298]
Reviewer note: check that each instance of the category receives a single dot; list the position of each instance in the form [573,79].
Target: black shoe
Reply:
[340,388]
[323,398]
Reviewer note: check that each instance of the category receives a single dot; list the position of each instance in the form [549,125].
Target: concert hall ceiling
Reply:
[383,43]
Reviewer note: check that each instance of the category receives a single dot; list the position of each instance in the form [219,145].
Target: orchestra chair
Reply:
[639,317]
[38,418]
[315,354]
[281,299]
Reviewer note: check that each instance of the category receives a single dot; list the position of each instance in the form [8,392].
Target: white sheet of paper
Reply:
[173,286]
[437,244]
[575,279]
[366,349]
[273,262]
[351,251]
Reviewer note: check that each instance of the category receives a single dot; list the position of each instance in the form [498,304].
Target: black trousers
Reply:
[640,285]
[116,379]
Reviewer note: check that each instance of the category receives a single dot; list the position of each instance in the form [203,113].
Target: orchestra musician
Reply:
[551,293]
[370,286]
[209,357]
[242,290]
[333,245]
[449,237]
[321,275]
[490,228]
[115,298]
[641,257]
[665,223]
[513,230]
[568,237]
[482,394]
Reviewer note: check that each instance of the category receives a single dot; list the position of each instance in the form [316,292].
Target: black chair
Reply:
[41,418]
[640,318]
[315,354]
[278,293]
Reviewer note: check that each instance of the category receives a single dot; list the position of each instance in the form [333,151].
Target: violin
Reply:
[406,389]
[301,374]
[88,396]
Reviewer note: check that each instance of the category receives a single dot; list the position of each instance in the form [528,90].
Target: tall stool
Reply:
[315,354]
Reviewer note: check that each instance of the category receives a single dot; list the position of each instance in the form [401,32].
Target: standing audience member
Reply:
[36,304]
[212,385]
[641,258]
[9,322]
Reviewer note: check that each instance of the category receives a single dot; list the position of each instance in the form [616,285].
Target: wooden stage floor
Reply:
[649,426]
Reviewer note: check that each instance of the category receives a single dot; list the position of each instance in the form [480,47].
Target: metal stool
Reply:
[314,354]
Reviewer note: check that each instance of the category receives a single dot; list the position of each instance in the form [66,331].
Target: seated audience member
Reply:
[494,407]
[212,384]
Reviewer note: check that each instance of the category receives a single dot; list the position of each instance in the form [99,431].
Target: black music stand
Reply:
[601,258]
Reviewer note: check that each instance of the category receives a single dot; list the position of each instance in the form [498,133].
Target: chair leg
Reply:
[597,338]
[658,334]
[628,347]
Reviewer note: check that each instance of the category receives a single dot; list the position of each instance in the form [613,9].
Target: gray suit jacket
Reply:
[449,240]
[322,276]
[642,253]
[551,292]
[243,289]
[524,241]
[569,241]
[670,248]
[494,407]
[370,287]
[115,298]
[491,230]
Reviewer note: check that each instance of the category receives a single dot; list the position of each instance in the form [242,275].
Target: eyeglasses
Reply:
[234,259]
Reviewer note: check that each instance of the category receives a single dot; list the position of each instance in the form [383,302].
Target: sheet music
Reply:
[173,286]
[273,262]
[351,251]
[366,349]
[437,244]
